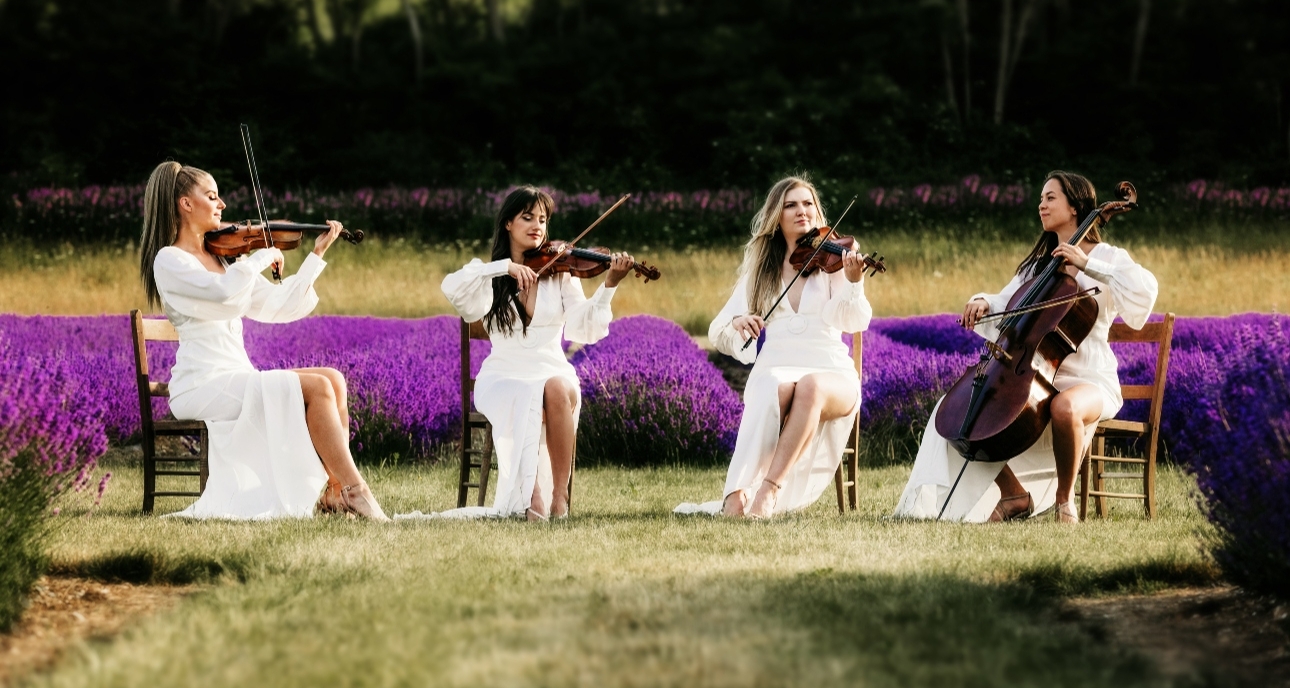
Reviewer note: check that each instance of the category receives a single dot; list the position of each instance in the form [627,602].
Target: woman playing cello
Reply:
[1088,388]
[268,430]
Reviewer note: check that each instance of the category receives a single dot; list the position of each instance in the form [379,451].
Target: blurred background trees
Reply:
[643,94]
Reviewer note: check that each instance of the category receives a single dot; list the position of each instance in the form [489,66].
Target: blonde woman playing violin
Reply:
[526,388]
[277,437]
[803,392]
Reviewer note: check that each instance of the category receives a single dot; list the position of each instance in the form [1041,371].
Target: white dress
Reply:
[1128,291]
[512,379]
[798,343]
[262,460]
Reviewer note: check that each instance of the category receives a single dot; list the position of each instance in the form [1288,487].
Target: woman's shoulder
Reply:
[173,256]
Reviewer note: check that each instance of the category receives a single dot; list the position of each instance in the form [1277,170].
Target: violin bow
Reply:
[590,227]
[814,253]
[258,193]
[1087,293]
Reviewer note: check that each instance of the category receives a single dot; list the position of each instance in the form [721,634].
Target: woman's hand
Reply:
[326,239]
[853,266]
[618,269]
[748,326]
[1073,255]
[278,263]
[973,312]
[523,274]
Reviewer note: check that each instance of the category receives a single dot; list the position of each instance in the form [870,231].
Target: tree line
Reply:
[644,94]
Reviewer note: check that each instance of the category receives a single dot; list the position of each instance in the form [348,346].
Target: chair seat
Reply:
[1127,427]
[177,427]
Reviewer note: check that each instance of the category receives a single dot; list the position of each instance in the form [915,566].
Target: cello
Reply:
[1000,406]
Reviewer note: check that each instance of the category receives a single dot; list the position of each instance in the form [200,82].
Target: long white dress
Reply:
[511,381]
[262,460]
[1128,291]
[808,340]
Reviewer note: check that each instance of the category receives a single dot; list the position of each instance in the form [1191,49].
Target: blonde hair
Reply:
[168,182]
[766,248]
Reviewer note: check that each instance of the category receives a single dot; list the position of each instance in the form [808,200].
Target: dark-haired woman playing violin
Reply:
[1088,387]
[277,437]
[803,392]
[526,388]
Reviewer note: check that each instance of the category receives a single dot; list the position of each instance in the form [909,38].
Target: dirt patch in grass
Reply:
[64,611]
[1221,636]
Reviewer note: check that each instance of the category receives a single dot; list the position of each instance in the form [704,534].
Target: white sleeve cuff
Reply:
[497,268]
[1099,270]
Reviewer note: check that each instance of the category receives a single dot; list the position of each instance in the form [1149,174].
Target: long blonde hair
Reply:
[764,253]
[168,182]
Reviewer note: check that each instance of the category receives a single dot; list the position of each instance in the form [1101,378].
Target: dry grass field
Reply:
[928,274]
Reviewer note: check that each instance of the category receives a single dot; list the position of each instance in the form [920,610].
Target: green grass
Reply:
[621,594]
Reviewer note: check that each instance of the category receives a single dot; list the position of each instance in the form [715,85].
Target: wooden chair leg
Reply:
[203,459]
[1097,469]
[853,469]
[1083,485]
[485,463]
[837,484]
[463,479]
[1149,480]
[149,473]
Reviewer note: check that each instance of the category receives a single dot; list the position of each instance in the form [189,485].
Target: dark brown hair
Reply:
[1082,196]
[501,316]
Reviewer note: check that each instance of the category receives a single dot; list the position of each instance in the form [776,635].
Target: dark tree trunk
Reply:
[967,58]
[496,28]
[414,28]
[949,70]
[1139,39]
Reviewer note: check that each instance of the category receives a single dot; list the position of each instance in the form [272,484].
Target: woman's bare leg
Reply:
[558,401]
[1072,411]
[341,389]
[817,397]
[736,503]
[331,438]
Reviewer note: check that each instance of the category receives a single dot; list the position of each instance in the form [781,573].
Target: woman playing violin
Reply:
[803,392]
[526,388]
[277,437]
[1088,388]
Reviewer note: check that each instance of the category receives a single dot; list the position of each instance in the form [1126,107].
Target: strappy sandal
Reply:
[743,504]
[359,501]
[535,516]
[331,501]
[1001,513]
[769,501]
[1066,513]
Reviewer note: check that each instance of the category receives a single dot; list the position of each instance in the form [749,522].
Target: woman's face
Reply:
[528,229]
[201,206]
[799,214]
[1055,212]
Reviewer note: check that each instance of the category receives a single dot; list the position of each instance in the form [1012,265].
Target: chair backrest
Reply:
[469,331]
[1161,334]
[142,332]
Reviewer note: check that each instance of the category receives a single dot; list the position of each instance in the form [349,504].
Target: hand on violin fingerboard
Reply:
[618,269]
[853,266]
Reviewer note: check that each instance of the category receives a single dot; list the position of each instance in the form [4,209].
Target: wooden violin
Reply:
[812,253]
[559,256]
[241,238]
[1000,406]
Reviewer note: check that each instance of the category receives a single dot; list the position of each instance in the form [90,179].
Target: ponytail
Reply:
[167,183]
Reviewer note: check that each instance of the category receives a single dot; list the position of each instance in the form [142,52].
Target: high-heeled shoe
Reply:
[331,501]
[535,516]
[763,505]
[1013,509]
[741,496]
[1066,513]
[360,502]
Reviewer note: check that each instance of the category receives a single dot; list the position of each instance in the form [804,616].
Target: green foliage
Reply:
[25,493]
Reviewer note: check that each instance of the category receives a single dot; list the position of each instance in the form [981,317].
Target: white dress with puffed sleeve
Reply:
[512,379]
[798,342]
[1128,291]
[262,460]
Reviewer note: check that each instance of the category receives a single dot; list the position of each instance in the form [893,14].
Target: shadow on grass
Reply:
[1062,578]
[159,568]
[941,630]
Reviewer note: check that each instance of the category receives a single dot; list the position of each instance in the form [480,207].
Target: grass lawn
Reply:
[623,593]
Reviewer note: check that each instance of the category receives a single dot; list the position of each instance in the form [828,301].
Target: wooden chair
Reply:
[1093,470]
[477,452]
[145,331]
[850,455]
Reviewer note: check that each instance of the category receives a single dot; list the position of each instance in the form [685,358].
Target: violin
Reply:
[239,239]
[1000,407]
[813,254]
[560,256]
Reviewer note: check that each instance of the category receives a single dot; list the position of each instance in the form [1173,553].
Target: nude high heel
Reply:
[360,502]
[763,505]
[1066,513]
[331,501]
